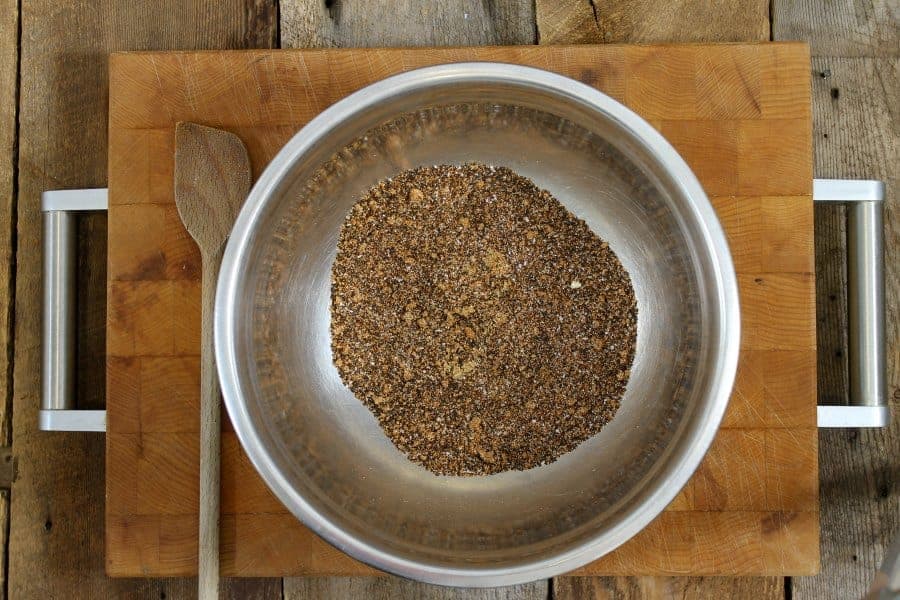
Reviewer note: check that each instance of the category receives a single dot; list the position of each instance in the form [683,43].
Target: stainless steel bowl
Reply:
[321,451]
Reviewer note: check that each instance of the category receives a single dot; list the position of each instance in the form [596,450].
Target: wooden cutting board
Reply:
[739,115]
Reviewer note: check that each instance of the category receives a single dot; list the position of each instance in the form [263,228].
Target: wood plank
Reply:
[253,589]
[855,128]
[9,71]
[856,132]
[57,516]
[650,21]
[395,588]
[404,23]
[4,538]
[9,56]
[666,588]
[848,28]
[568,22]
[386,23]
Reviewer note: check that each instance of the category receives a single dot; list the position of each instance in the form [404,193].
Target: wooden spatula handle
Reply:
[212,180]
[210,437]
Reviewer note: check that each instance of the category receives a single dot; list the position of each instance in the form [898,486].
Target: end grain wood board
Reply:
[739,115]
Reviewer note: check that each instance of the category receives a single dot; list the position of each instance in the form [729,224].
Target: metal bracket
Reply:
[865,290]
[58,412]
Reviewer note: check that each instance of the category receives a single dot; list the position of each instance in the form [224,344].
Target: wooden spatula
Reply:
[212,180]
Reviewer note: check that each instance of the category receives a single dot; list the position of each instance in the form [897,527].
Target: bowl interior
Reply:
[328,449]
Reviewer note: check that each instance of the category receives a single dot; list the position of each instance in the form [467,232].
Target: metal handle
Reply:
[865,289]
[58,411]
[865,274]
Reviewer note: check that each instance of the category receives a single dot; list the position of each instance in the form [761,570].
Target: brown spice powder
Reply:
[484,325]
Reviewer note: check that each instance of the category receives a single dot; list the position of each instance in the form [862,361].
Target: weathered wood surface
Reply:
[394,588]
[856,128]
[9,15]
[667,588]
[56,540]
[388,24]
[9,56]
[840,28]
[650,21]
[858,109]
[4,539]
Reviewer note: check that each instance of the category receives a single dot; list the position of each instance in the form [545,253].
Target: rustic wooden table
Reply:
[53,92]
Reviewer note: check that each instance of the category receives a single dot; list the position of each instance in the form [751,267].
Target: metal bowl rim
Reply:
[727,342]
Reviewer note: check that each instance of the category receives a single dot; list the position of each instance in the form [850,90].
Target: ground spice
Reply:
[485,326]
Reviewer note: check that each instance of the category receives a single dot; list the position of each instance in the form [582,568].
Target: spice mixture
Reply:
[485,326]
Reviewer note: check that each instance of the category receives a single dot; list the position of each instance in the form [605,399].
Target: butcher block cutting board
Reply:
[739,115]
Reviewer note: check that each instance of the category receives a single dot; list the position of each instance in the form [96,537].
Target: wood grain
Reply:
[4,538]
[212,180]
[650,21]
[734,518]
[858,469]
[253,589]
[394,588]
[9,86]
[845,28]
[9,55]
[567,22]
[56,538]
[387,23]
[666,588]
